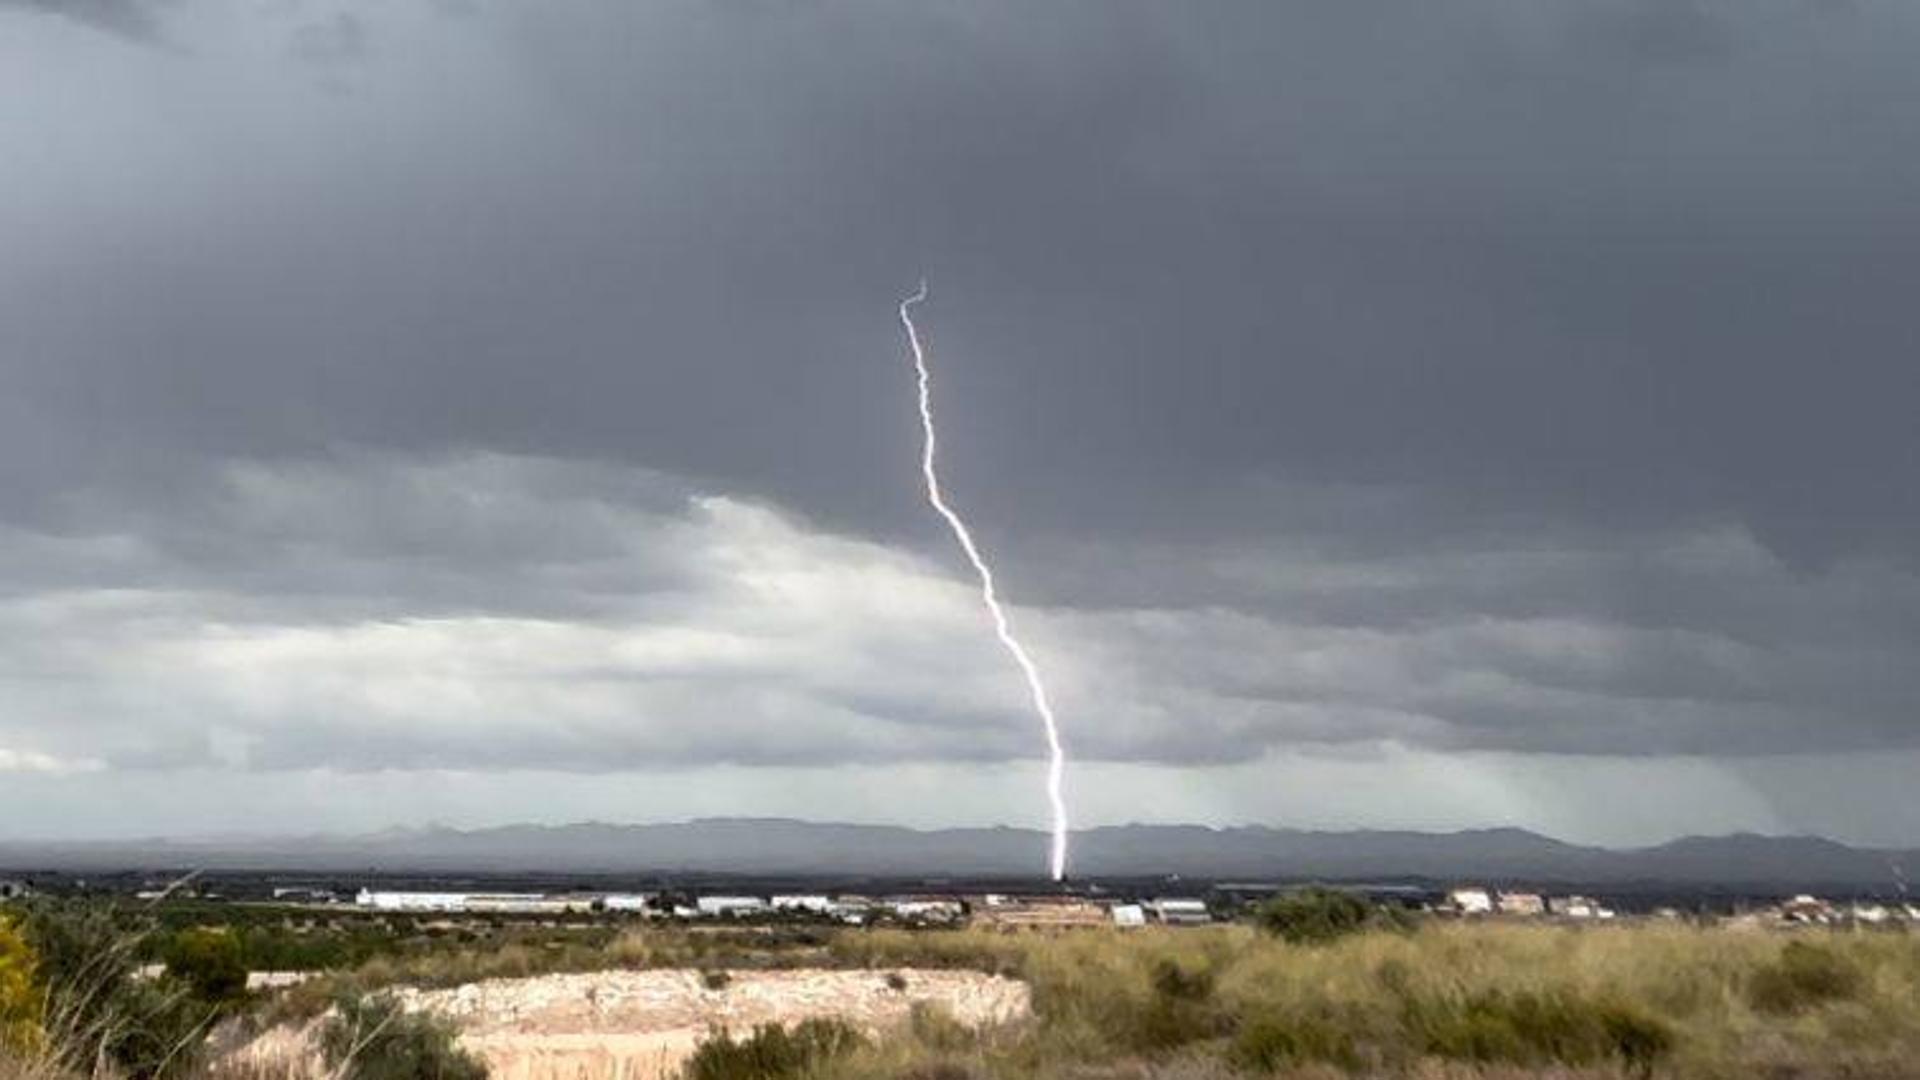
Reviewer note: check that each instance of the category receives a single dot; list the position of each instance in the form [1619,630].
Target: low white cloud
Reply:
[30,761]
[491,612]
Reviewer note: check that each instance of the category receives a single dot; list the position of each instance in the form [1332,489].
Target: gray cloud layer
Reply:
[1490,376]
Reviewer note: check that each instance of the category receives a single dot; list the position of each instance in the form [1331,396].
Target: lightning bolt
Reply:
[1056,753]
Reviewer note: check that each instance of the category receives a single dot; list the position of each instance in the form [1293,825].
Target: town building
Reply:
[1524,904]
[1470,901]
[1040,912]
[940,909]
[1869,914]
[1578,907]
[1806,908]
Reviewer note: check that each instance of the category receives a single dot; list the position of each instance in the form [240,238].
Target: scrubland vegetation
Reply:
[1612,1001]
[1318,991]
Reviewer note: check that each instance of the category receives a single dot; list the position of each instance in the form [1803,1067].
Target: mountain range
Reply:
[782,847]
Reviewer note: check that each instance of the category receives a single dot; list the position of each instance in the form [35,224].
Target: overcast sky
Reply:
[1382,413]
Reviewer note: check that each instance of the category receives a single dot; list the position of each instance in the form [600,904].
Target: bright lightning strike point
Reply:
[1056,753]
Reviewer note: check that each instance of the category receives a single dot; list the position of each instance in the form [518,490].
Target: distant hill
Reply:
[759,846]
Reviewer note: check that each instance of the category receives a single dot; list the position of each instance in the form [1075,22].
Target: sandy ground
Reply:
[641,1025]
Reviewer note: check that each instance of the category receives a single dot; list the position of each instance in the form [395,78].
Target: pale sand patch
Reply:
[641,1025]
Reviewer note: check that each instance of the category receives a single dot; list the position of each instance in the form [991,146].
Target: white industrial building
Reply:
[1180,911]
[853,910]
[489,903]
[527,904]
[411,901]
[714,907]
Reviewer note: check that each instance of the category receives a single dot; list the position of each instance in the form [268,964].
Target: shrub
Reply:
[938,1070]
[1274,1042]
[772,1052]
[1181,1010]
[1176,983]
[896,982]
[1529,1028]
[374,1038]
[1314,916]
[935,1028]
[1638,1040]
[1805,975]
[97,1009]
[715,980]
[209,962]
[20,1005]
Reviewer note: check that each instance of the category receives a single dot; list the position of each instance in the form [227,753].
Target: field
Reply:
[1428,1000]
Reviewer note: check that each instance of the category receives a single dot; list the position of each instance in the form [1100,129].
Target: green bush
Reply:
[209,961]
[1180,1010]
[1558,1026]
[1273,1042]
[97,1008]
[938,1070]
[1805,975]
[935,1028]
[1315,916]
[374,1038]
[1176,983]
[772,1052]
[1639,1040]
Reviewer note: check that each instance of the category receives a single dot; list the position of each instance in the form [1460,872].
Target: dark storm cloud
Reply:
[1483,375]
[1170,253]
[1656,31]
[128,18]
[339,39]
